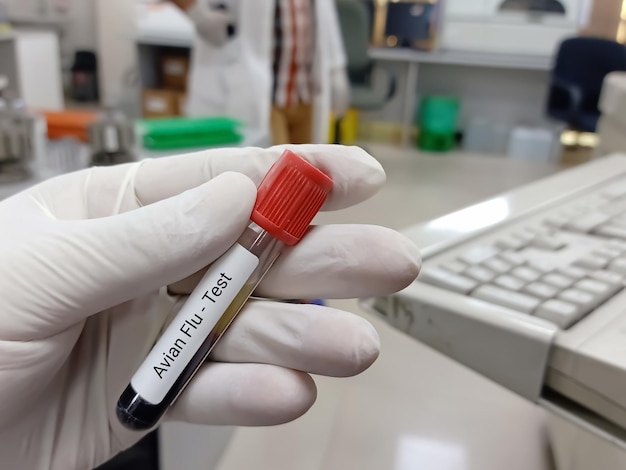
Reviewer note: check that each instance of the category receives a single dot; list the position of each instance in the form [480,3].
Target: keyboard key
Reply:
[620,218]
[609,277]
[454,266]
[587,222]
[572,272]
[599,289]
[591,262]
[541,266]
[572,212]
[619,221]
[607,253]
[510,243]
[614,191]
[585,300]
[442,278]
[497,265]
[557,221]
[614,207]
[509,282]
[513,258]
[617,244]
[547,242]
[595,199]
[480,274]
[558,281]
[478,254]
[525,236]
[540,230]
[612,231]
[541,290]
[618,265]
[563,314]
[506,298]
[592,203]
[526,274]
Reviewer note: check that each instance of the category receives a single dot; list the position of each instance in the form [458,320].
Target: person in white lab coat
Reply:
[243,67]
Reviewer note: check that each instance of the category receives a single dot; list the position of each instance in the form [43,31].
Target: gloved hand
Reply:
[85,260]
[340,91]
[213,25]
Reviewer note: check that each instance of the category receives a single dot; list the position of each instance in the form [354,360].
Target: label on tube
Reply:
[200,313]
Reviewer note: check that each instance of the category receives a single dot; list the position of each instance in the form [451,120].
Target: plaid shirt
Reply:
[294,28]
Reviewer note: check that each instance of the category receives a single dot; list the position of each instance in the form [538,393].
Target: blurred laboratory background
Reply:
[501,125]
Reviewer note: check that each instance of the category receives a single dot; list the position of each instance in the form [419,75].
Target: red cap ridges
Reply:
[289,197]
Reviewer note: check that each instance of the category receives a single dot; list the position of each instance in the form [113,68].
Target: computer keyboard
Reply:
[528,289]
[558,266]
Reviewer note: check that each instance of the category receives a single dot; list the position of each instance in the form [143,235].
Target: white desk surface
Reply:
[525,62]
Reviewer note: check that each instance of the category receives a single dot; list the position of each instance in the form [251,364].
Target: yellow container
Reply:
[349,126]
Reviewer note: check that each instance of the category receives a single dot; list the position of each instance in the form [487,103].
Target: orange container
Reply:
[69,123]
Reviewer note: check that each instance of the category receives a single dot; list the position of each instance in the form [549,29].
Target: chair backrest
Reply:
[586,61]
[355,27]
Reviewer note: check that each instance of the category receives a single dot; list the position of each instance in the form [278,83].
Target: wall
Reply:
[605,17]
[504,95]
[80,31]
[117,52]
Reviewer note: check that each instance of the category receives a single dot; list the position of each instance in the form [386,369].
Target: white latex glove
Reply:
[211,24]
[85,258]
[340,91]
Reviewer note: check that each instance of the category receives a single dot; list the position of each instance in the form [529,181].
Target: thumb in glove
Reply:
[110,260]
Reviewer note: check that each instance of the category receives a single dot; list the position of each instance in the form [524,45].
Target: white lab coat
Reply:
[236,79]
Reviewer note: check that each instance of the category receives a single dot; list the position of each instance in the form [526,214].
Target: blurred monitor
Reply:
[534,6]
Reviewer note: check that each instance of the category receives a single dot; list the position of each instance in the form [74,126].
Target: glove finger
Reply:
[344,261]
[308,338]
[160,243]
[244,395]
[337,261]
[110,260]
[357,176]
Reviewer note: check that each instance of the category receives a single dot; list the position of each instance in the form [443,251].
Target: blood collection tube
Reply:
[288,199]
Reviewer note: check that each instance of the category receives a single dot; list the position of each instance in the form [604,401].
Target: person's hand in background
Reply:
[95,264]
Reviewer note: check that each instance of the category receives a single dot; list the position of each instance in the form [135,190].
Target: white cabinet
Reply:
[509,26]
[466,8]
[31,60]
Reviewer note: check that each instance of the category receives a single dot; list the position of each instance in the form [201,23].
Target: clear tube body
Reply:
[142,404]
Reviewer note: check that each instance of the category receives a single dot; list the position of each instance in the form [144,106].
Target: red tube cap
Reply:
[289,197]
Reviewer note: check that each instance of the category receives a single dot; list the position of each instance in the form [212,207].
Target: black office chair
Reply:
[578,74]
